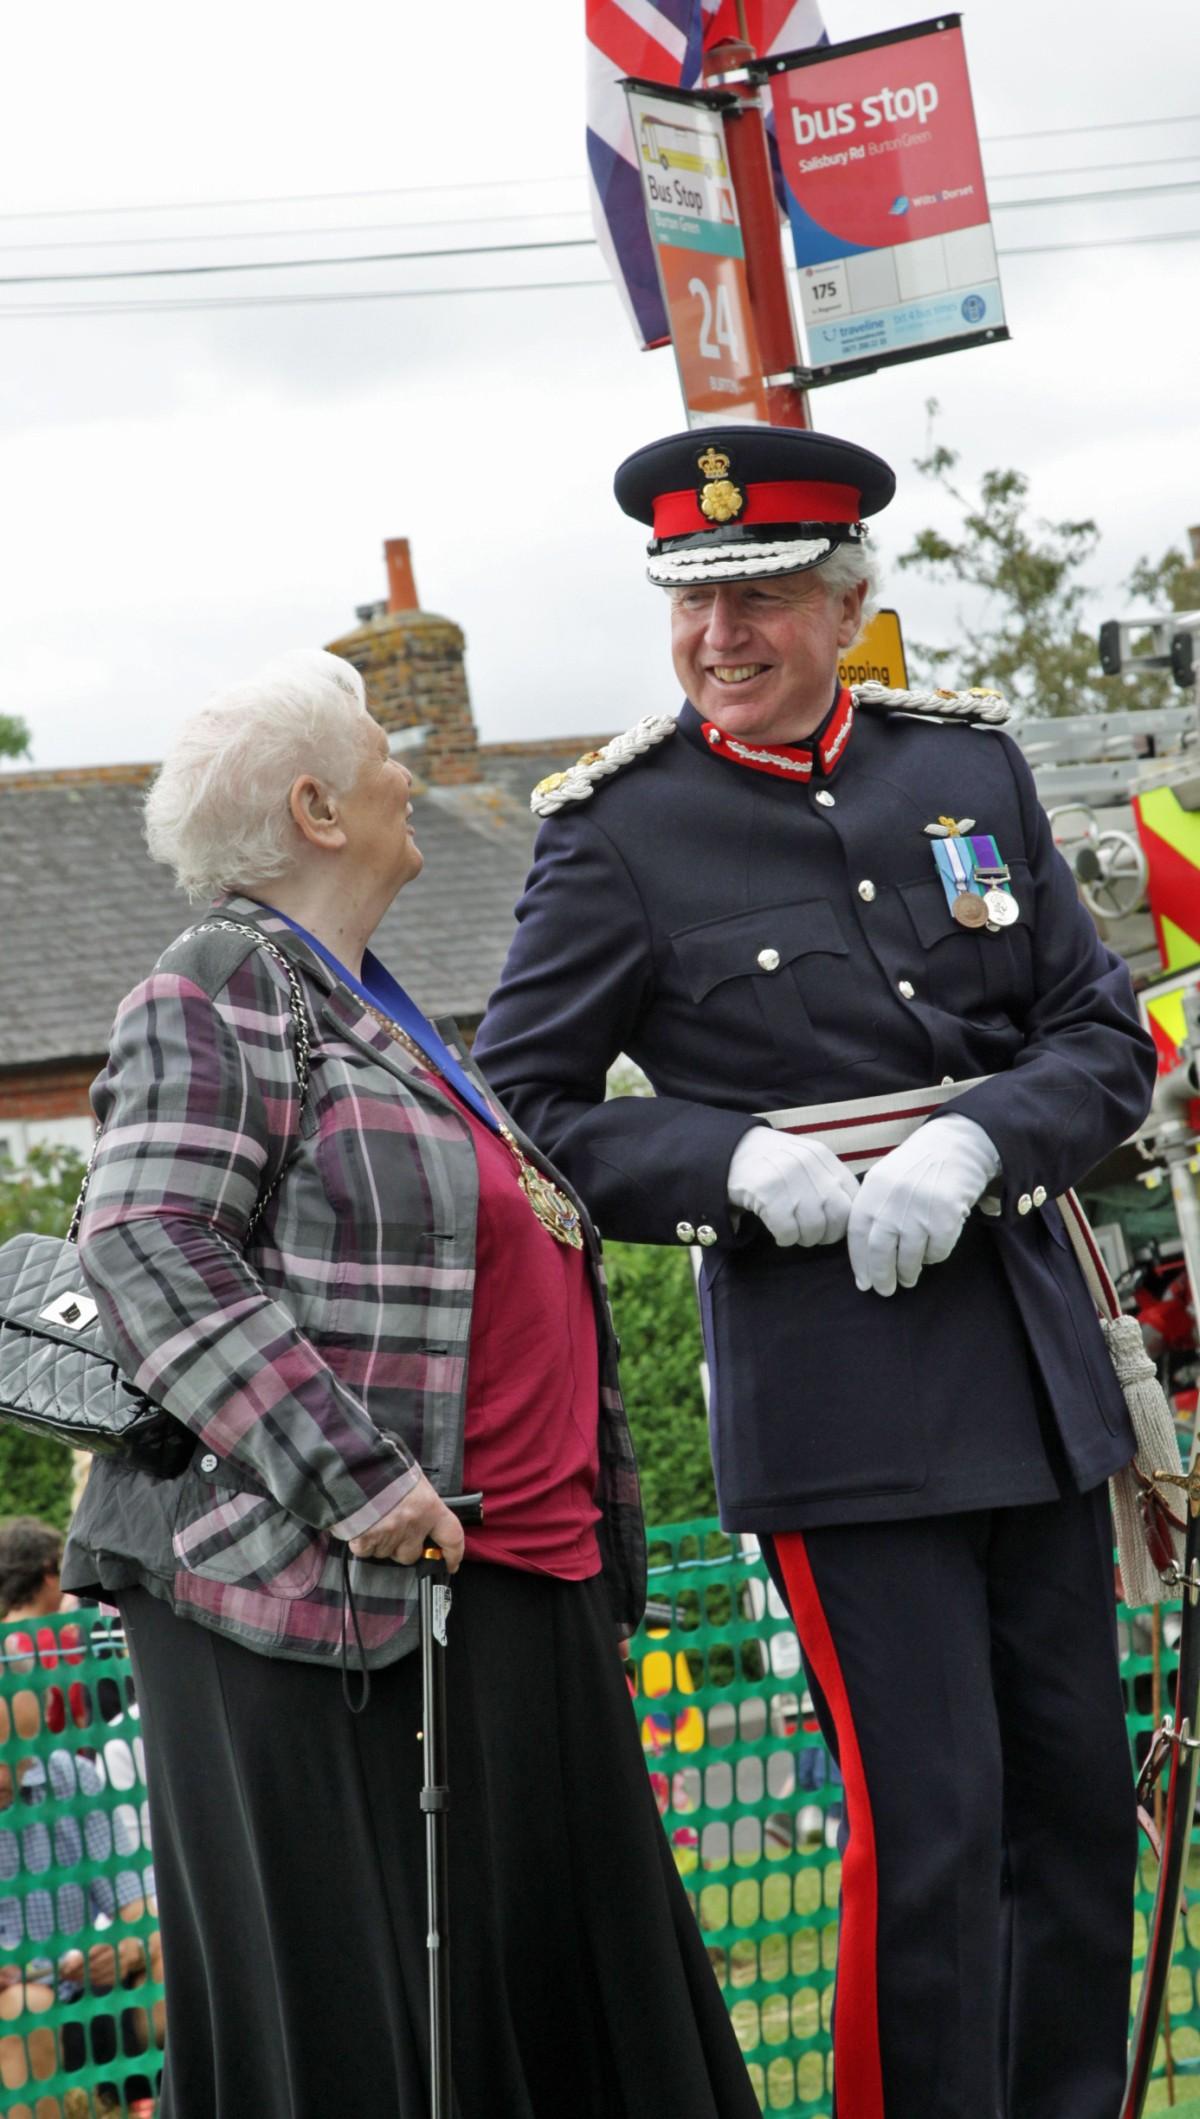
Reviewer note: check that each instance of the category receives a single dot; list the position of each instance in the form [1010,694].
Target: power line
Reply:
[1080,169]
[563,213]
[282,198]
[293,301]
[1086,198]
[1101,242]
[483,184]
[248,235]
[371,257]
[1066,132]
[408,294]
[471,250]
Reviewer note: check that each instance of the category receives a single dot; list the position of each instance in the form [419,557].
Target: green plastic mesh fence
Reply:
[748,1799]
[752,1805]
[81,2009]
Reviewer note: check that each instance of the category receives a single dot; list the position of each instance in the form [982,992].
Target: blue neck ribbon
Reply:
[382,991]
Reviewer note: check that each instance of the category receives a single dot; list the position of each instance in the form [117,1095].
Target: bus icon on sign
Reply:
[682,147]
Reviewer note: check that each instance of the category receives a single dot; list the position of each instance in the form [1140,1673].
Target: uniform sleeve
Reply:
[1083,1080]
[579,977]
[185,1143]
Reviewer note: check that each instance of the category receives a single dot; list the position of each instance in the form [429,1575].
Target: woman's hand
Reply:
[421,1519]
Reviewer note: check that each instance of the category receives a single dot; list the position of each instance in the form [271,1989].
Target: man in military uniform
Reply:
[789,897]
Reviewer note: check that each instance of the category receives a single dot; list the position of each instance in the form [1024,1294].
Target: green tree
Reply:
[14,737]
[36,1476]
[1025,635]
[1173,584]
[654,1303]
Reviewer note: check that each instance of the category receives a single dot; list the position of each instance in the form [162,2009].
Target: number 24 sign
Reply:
[713,333]
[691,213]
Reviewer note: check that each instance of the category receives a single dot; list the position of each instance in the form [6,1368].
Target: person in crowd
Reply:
[30,1564]
[360,1293]
[49,1779]
[791,897]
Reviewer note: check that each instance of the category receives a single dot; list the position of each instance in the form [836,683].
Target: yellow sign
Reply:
[877,656]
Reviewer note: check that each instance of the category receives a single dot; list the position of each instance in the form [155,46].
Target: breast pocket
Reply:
[785,972]
[970,972]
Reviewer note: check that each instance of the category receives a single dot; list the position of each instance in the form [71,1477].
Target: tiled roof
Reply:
[84,911]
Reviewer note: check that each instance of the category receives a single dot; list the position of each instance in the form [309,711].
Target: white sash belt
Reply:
[863,1128]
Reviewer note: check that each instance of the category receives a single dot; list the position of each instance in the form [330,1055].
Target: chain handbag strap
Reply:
[303,1050]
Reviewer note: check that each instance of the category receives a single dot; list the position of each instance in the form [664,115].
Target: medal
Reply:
[1001,908]
[552,1207]
[969,910]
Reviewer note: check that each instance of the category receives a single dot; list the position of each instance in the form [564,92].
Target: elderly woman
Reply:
[357,1300]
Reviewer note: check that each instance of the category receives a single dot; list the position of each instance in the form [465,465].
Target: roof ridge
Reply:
[78,776]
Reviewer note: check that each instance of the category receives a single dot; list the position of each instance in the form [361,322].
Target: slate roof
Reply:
[84,912]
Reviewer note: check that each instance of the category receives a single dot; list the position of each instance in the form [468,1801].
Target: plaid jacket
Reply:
[324,1361]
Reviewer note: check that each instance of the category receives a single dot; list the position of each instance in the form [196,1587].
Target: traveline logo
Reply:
[890,107]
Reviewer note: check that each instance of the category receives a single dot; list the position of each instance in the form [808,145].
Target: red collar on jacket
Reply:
[790,761]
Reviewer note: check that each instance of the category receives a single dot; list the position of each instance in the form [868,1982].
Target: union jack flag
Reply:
[665,41]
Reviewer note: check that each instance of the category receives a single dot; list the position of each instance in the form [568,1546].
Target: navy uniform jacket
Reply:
[640,931]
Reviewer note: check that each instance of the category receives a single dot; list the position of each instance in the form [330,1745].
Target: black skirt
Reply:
[290,1859]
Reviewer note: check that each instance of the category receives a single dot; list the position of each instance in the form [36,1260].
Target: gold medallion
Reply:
[552,1207]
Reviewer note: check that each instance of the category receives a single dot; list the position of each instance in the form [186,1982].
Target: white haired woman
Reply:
[357,1301]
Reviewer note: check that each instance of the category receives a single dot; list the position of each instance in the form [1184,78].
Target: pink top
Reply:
[533,1381]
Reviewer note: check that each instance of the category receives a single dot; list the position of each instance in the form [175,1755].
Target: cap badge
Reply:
[718,499]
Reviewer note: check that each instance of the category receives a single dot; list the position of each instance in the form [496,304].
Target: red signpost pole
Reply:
[750,170]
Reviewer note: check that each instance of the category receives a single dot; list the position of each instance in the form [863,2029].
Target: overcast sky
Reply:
[185,491]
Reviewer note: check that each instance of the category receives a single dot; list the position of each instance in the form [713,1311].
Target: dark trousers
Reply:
[289,1849]
[964,1672]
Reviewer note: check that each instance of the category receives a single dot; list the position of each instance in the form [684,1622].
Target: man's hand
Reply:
[421,1519]
[799,1190]
[912,1205]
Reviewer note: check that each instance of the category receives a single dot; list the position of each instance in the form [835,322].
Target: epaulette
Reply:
[976,706]
[577,783]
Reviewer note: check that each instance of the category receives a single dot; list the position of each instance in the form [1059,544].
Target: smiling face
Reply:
[760,657]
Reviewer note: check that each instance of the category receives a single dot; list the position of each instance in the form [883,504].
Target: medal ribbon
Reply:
[987,856]
[955,863]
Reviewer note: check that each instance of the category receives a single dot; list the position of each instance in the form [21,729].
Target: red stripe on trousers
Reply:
[857,2070]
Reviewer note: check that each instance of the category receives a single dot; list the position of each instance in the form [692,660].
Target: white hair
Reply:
[218,813]
[847,565]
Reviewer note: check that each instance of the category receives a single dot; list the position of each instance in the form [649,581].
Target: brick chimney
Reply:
[413,667]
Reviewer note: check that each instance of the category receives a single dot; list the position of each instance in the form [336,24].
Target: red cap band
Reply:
[771,500]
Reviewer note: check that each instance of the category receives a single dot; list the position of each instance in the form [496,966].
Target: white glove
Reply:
[798,1189]
[912,1204]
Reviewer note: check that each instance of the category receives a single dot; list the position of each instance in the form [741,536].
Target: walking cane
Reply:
[435,1798]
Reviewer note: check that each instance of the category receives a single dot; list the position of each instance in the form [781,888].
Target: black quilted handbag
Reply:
[57,1375]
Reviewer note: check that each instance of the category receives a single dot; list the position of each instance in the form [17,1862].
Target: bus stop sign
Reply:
[692,215]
